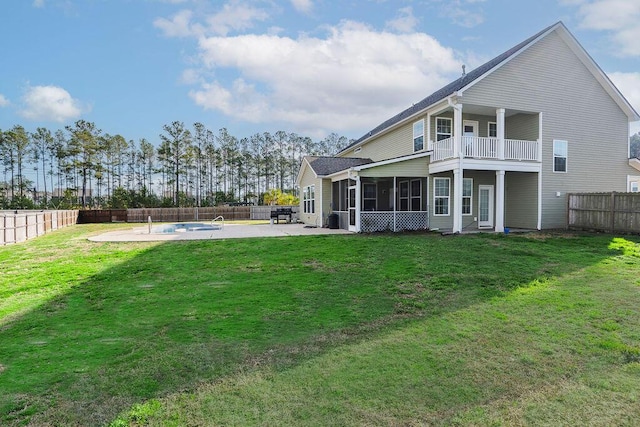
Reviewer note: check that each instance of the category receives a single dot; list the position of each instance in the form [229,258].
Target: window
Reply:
[493,130]
[309,202]
[369,192]
[441,196]
[467,195]
[418,135]
[416,195]
[443,128]
[559,156]
[634,187]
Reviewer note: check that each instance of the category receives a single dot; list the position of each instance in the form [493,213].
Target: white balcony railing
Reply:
[487,148]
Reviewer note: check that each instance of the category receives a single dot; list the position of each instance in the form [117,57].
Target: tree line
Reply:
[82,166]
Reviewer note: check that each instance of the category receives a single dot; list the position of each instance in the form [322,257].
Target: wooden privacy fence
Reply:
[18,226]
[610,212]
[229,213]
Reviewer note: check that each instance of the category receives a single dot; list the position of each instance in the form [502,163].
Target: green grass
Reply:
[321,330]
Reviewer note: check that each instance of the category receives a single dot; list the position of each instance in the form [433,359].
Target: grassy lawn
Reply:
[410,329]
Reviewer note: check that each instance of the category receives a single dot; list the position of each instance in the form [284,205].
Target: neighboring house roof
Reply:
[324,166]
[469,78]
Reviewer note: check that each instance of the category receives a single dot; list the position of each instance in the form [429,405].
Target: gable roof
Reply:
[475,75]
[324,166]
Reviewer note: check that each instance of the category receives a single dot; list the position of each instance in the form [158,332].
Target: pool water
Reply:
[183,227]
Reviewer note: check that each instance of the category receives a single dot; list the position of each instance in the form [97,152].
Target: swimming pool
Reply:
[184,227]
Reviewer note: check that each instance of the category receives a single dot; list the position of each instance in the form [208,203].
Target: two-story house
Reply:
[499,147]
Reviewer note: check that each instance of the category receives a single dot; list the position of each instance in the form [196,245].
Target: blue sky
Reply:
[306,66]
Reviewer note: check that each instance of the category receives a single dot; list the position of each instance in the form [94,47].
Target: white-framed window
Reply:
[492,130]
[441,196]
[418,135]
[467,196]
[633,183]
[369,192]
[309,196]
[415,192]
[444,128]
[634,187]
[560,155]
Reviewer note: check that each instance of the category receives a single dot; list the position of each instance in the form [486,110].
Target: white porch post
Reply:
[358,202]
[499,201]
[500,131]
[457,130]
[540,172]
[457,200]
[395,198]
[428,135]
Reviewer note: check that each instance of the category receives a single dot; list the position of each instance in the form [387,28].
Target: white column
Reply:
[395,200]
[499,201]
[500,131]
[457,130]
[540,171]
[457,200]
[427,138]
[358,202]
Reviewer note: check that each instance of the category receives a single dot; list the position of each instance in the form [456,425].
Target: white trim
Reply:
[470,197]
[451,126]
[539,224]
[474,123]
[391,161]
[633,179]
[490,221]
[566,156]
[448,196]
[489,129]
[485,165]
[416,136]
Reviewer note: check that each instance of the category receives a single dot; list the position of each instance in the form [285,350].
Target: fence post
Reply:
[613,211]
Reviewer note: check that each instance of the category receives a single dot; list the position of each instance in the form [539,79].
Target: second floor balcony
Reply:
[488,148]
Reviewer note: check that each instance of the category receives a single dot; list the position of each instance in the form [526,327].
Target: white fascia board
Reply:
[599,75]
[305,164]
[394,160]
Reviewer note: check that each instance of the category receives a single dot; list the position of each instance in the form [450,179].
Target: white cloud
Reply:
[178,26]
[49,103]
[38,3]
[4,102]
[234,16]
[405,22]
[350,79]
[618,17]
[303,6]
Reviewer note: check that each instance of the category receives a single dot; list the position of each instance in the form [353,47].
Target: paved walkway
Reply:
[229,231]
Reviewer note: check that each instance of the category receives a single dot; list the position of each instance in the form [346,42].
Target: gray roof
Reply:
[324,166]
[450,88]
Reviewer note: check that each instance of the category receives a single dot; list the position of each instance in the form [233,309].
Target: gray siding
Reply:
[415,167]
[308,178]
[397,143]
[548,77]
[522,126]
[521,200]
